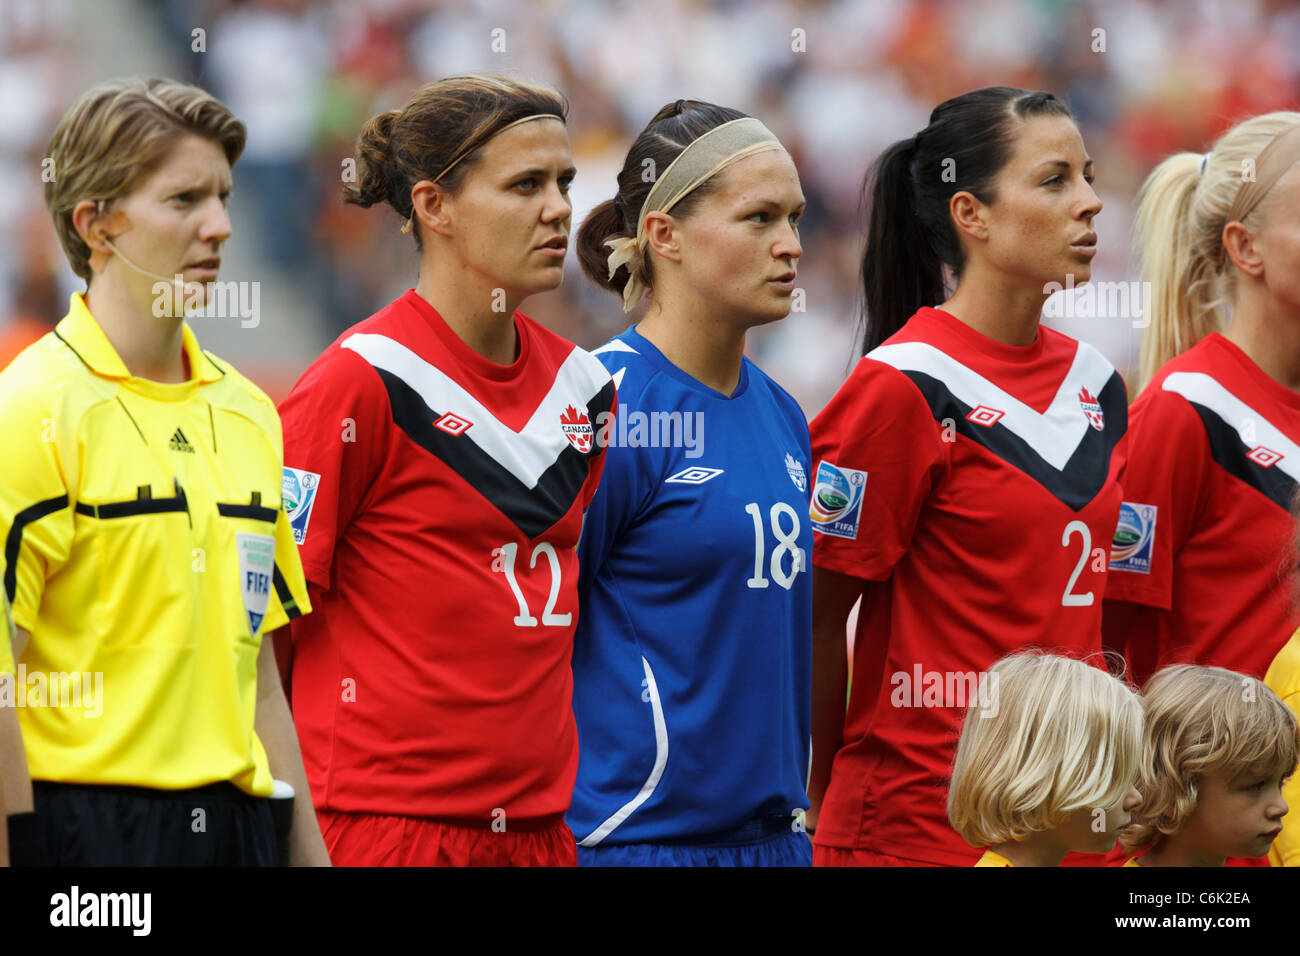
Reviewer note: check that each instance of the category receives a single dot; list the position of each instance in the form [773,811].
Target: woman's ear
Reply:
[1243,249]
[96,228]
[663,236]
[969,215]
[432,207]
[84,215]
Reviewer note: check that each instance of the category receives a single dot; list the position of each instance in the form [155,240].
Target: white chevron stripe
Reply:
[615,345]
[1054,434]
[525,454]
[1251,427]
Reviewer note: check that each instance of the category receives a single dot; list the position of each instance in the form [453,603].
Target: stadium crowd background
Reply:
[304,75]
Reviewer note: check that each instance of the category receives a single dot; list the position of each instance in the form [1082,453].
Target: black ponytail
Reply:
[910,234]
[900,272]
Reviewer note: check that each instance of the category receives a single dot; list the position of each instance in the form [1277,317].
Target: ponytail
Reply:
[375,171]
[602,223]
[1182,306]
[900,272]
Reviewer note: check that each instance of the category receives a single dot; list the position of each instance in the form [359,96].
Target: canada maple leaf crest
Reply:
[1092,409]
[577,429]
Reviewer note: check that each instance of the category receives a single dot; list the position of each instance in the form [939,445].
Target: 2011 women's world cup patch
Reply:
[1134,535]
[299,495]
[836,506]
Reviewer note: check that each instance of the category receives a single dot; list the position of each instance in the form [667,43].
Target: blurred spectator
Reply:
[837,80]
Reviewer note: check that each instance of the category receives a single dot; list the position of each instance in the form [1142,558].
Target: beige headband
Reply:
[1276,158]
[698,162]
[410,220]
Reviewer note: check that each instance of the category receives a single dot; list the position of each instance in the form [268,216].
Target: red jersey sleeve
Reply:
[1163,482]
[877,453]
[336,424]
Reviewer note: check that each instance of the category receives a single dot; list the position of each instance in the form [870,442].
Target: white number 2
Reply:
[506,553]
[1069,598]
[787,543]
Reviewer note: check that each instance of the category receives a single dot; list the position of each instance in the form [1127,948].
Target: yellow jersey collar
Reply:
[85,337]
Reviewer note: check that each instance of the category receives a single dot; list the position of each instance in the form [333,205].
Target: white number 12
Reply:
[507,553]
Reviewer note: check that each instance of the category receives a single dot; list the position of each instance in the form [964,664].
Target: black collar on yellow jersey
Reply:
[81,333]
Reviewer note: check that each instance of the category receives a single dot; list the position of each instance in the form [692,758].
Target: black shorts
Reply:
[84,825]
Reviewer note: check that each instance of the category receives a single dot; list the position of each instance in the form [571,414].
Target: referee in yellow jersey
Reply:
[146,553]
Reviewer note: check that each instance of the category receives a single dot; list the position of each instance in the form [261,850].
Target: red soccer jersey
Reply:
[1205,532]
[437,498]
[976,483]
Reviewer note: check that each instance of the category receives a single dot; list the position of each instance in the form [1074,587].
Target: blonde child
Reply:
[1219,748]
[1046,762]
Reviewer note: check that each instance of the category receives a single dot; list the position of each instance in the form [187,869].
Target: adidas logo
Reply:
[179,443]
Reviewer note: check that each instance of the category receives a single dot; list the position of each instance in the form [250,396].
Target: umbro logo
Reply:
[983,415]
[694,476]
[1264,457]
[180,443]
[453,424]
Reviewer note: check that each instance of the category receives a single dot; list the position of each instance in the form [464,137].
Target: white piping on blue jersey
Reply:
[1054,434]
[578,380]
[1251,427]
[652,781]
[615,345]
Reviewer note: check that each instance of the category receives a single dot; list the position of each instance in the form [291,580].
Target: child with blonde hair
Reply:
[1219,748]
[1046,761]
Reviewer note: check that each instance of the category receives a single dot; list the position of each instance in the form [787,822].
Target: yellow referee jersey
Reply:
[146,551]
[1283,678]
[6,636]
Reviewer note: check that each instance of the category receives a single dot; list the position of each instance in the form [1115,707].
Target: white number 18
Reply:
[787,543]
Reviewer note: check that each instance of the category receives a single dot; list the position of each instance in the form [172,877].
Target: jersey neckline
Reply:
[1274,389]
[648,349]
[475,363]
[81,332]
[1016,354]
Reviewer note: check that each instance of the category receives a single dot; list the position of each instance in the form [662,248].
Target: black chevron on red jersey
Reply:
[533,475]
[1066,448]
[531,509]
[1269,462]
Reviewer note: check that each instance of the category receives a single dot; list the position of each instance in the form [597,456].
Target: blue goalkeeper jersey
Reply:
[692,659]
